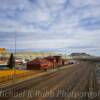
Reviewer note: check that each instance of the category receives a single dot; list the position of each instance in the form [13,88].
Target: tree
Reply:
[11,62]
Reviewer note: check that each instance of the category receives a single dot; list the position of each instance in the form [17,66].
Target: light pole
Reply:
[14,57]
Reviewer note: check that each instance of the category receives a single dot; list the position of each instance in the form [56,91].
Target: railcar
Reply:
[39,64]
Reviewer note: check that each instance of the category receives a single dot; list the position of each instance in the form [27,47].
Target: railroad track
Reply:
[87,85]
[79,78]
[92,84]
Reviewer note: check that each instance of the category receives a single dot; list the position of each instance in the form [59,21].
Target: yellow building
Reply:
[2,50]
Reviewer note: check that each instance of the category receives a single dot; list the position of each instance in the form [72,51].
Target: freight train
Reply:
[46,63]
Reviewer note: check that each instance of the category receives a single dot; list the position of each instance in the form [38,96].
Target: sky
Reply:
[63,26]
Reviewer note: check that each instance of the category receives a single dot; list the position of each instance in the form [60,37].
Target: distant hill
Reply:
[79,54]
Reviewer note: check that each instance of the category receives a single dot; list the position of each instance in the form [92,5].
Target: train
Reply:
[46,63]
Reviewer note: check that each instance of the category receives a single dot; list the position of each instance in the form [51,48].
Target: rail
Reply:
[92,85]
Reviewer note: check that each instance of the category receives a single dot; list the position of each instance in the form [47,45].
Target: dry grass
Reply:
[7,75]
[11,72]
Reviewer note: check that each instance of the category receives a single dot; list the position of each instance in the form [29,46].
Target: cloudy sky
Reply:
[61,25]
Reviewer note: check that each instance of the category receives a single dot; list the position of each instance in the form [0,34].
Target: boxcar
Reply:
[39,63]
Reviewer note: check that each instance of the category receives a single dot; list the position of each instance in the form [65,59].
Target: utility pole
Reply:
[14,57]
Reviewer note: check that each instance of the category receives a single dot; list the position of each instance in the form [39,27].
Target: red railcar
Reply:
[39,63]
[58,61]
[52,60]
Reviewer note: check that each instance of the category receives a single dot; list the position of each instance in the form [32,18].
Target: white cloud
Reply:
[81,3]
[56,24]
